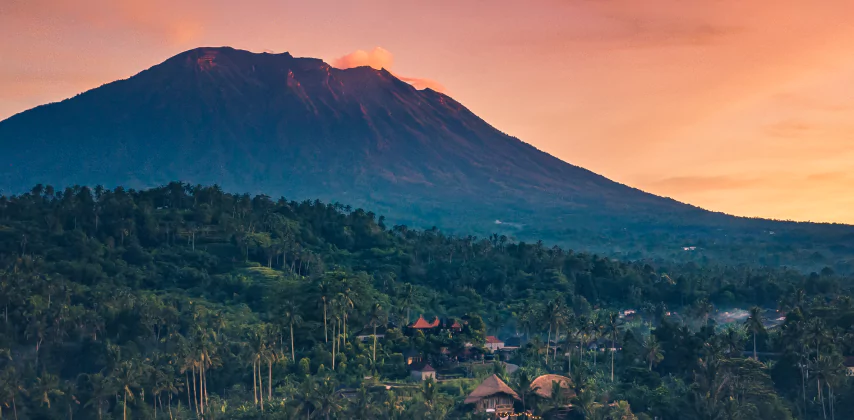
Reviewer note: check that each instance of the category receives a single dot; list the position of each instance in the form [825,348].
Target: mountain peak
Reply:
[298,127]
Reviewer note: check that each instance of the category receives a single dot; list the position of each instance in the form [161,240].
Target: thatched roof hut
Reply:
[542,386]
[490,387]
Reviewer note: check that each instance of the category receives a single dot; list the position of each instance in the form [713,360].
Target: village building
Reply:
[422,324]
[849,365]
[493,396]
[412,356]
[493,343]
[368,334]
[421,371]
[513,343]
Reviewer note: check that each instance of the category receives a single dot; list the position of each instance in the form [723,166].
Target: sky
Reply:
[745,107]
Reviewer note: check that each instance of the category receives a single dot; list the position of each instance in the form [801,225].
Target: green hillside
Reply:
[187,302]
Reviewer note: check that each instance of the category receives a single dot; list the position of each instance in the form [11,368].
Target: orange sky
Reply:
[739,106]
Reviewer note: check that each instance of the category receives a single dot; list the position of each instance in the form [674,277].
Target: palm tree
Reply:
[428,392]
[587,404]
[522,382]
[733,338]
[293,318]
[346,302]
[101,391]
[376,317]
[816,332]
[10,387]
[755,325]
[325,398]
[703,309]
[126,378]
[652,351]
[612,326]
[828,369]
[46,387]
[324,289]
[363,406]
[407,300]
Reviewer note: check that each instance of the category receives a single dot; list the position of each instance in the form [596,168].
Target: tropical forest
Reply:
[189,302]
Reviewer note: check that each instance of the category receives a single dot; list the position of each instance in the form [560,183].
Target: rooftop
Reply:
[422,323]
[490,386]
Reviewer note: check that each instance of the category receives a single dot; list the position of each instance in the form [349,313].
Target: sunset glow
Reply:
[735,106]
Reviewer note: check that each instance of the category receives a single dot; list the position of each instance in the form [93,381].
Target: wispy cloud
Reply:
[381,58]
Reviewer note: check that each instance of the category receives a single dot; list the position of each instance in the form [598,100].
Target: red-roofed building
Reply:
[493,343]
[456,326]
[422,324]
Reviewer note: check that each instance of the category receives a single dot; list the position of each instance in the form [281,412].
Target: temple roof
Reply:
[490,386]
[422,323]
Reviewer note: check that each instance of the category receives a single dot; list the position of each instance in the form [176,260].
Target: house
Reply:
[493,396]
[456,326]
[368,334]
[544,387]
[513,342]
[412,356]
[422,324]
[421,371]
[493,343]
[849,365]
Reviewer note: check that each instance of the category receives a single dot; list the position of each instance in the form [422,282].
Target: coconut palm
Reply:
[292,317]
[522,385]
[703,308]
[325,398]
[755,324]
[407,300]
[346,302]
[377,317]
[828,370]
[46,387]
[733,338]
[101,391]
[127,378]
[612,326]
[11,386]
[652,352]
[363,405]
[324,289]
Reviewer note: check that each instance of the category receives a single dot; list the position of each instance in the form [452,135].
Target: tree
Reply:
[377,317]
[324,290]
[612,326]
[829,370]
[755,324]
[11,386]
[522,385]
[127,380]
[703,308]
[101,389]
[652,351]
[292,318]
[324,397]
[46,387]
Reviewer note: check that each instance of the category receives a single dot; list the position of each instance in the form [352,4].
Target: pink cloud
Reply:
[381,58]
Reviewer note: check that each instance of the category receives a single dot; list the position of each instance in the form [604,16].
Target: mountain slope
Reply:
[280,125]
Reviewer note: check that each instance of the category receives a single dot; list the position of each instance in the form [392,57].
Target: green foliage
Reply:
[184,300]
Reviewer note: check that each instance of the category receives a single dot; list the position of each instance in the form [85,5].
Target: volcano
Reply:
[300,128]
